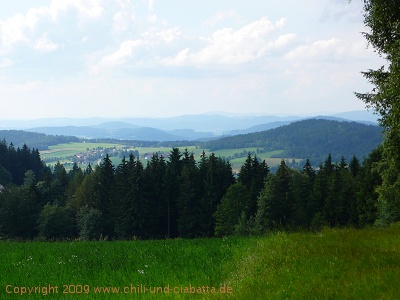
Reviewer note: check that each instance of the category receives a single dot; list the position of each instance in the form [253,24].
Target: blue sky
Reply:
[159,58]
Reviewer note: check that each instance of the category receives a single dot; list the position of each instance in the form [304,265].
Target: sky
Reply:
[165,58]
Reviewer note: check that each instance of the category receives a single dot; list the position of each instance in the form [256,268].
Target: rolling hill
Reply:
[34,140]
[311,138]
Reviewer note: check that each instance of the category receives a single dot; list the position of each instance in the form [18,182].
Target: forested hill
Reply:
[312,138]
[35,140]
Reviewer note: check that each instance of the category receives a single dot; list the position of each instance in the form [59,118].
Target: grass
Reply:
[64,152]
[332,264]
[69,149]
[202,262]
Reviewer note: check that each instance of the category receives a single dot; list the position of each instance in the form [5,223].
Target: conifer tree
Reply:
[122,189]
[369,179]
[155,193]
[189,200]
[172,186]
[354,166]
[252,174]
[217,177]
[138,206]
[276,201]
[382,18]
[103,195]
[235,202]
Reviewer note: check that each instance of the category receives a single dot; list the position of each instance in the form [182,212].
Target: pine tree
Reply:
[172,185]
[276,202]
[155,193]
[103,195]
[369,179]
[122,189]
[217,177]
[252,174]
[235,202]
[322,183]
[382,19]
[89,169]
[309,170]
[189,200]
[354,166]
[138,207]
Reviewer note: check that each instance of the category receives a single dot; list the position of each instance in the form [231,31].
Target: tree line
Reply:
[35,140]
[182,197]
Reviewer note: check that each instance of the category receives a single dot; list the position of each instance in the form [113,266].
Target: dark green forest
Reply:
[35,140]
[179,197]
[42,141]
[313,139]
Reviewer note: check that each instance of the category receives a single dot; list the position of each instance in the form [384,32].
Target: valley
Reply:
[84,153]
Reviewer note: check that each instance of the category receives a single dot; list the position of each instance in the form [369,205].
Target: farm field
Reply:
[64,153]
[331,264]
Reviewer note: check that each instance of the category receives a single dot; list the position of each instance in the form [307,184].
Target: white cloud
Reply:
[6,63]
[86,8]
[12,31]
[125,16]
[145,50]
[45,45]
[221,16]
[331,48]
[170,35]
[125,51]
[227,46]
[21,27]
[152,17]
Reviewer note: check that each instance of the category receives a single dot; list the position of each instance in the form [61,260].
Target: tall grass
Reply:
[332,264]
[177,263]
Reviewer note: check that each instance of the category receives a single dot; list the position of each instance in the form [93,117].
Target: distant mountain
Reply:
[272,125]
[124,131]
[187,127]
[115,125]
[190,134]
[48,122]
[359,115]
[312,138]
[143,134]
[258,128]
[217,124]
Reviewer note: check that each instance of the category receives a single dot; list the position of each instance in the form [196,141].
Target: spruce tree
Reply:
[122,189]
[276,201]
[189,200]
[172,186]
[235,202]
[103,195]
[382,18]
[155,193]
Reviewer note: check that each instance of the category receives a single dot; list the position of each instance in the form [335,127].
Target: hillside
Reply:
[312,138]
[35,140]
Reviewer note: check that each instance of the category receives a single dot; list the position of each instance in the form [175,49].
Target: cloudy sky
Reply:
[161,58]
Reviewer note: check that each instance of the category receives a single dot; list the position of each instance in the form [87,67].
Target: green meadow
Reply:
[331,264]
[64,152]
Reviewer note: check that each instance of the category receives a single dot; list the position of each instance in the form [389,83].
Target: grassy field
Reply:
[332,264]
[64,152]
[68,149]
